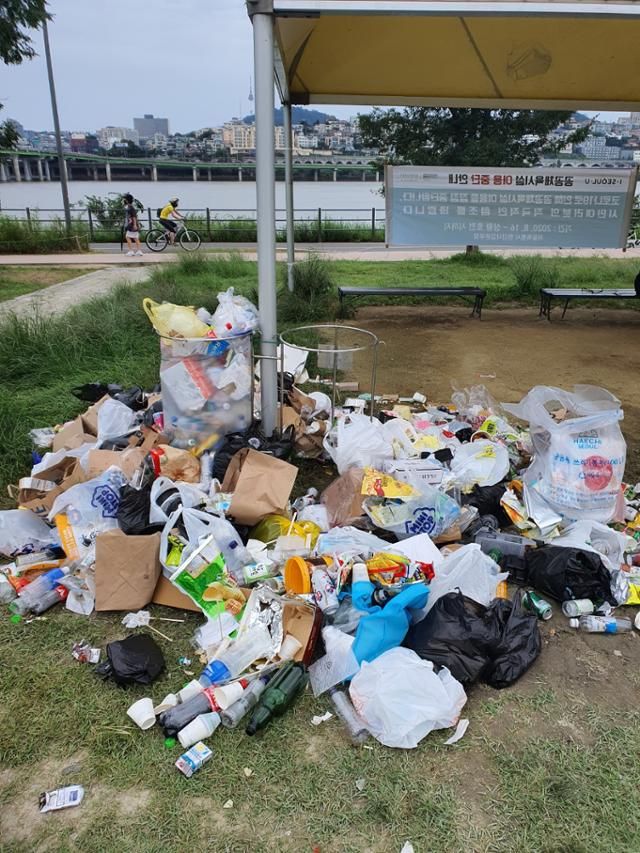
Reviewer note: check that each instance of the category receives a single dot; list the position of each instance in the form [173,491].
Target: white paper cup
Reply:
[141,712]
[289,648]
[189,691]
[169,701]
[227,695]
[193,732]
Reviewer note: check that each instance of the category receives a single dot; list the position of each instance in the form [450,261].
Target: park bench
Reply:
[549,293]
[477,293]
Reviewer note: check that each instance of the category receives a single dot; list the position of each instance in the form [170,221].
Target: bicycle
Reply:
[157,239]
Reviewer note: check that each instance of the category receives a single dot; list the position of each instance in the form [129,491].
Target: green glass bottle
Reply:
[280,694]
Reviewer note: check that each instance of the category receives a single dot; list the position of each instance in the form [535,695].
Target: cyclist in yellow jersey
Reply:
[168,216]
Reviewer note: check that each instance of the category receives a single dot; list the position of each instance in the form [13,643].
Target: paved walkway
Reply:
[59,297]
[108,254]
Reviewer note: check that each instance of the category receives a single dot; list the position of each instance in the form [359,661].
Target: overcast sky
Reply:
[188,60]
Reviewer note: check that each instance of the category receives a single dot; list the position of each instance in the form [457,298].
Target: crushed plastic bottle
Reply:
[601,624]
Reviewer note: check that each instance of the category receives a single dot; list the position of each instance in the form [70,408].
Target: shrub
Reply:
[314,293]
[531,273]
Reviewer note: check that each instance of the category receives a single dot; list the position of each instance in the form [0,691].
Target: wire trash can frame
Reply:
[335,346]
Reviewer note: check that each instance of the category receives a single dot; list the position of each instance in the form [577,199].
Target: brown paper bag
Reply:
[68,472]
[261,484]
[178,464]
[127,570]
[90,418]
[128,461]
[301,403]
[343,498]
[72,435]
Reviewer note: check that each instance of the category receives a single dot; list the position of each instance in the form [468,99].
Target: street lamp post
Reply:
[56,127]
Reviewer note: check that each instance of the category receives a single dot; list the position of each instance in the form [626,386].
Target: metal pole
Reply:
[56,127]
[266,211]
[288,186]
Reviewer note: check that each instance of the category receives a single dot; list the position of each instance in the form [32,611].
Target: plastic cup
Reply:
[227,695]
[289,648]
[142,714]
[202,727]
[189,691]
[169,701]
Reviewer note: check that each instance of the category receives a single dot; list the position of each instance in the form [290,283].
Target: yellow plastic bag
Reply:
[175,321]
[377,484]
[273,526]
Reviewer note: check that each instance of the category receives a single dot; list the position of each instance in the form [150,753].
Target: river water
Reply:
[234,197]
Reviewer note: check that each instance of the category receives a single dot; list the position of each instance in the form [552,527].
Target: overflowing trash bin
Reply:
[450,531]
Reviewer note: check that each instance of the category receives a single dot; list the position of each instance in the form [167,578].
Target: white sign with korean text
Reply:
[519,208]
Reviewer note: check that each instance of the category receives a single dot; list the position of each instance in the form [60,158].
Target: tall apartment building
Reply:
[108,135]
[149,125]
[238,136]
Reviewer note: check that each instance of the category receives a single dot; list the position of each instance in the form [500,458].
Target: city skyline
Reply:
[159,67]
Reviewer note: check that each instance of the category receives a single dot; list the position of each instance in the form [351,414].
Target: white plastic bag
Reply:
[90,508]
[401,699]
[579,461]
[115,419]
[357,442]
[166,497]
[475,574]
[480,462]
[234,314]
[21,531]
[198,525]
[338,664]
[432,512]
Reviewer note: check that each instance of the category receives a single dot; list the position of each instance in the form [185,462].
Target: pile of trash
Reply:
[423,568]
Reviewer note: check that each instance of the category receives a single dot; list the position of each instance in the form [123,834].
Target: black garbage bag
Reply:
[136,660]
[486,499]
[280,446]
[568,573]
[134,397]
[519,645]
[153,415]
[133,512]
[455,633]
[494,644]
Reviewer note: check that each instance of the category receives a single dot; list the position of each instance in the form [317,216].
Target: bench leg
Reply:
[541,311]
[564,310]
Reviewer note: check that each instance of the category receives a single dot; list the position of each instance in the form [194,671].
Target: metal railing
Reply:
[224,225]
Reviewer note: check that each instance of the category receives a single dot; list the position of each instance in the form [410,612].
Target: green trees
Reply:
[464,137]
[16,18]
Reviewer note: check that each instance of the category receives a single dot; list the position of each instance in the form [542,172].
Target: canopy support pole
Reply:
[266,212]
[288,180]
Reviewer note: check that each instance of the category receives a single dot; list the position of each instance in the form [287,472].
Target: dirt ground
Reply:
[430,348]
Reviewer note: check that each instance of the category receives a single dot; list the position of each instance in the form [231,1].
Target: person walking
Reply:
[131,227]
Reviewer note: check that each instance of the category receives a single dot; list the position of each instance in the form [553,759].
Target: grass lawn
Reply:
[549,765]
[16,281]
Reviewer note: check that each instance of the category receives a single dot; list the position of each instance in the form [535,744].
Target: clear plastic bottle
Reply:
[175,719]
[49,600]
[239,655]
[601,624]
[34,591]
[241,707]
[7,592]
[355,727]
